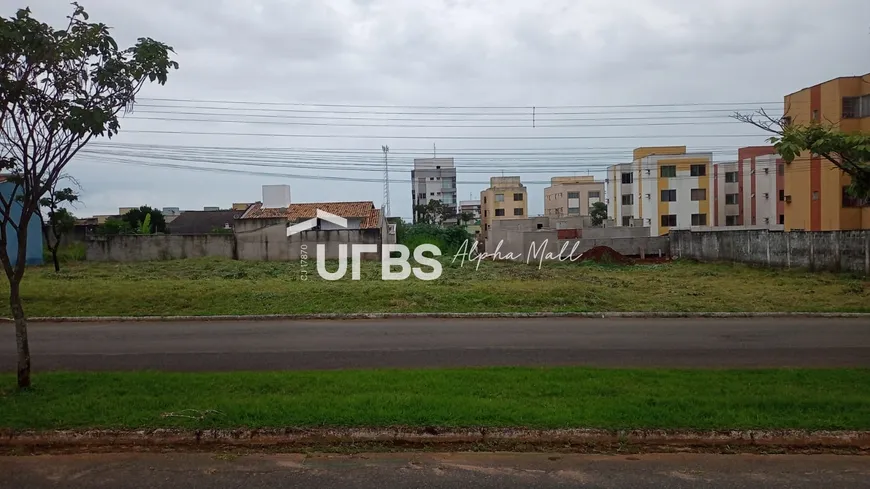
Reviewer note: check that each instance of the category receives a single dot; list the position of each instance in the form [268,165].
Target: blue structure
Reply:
[34,231]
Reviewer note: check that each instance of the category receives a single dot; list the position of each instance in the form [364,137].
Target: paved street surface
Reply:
[275,345]
[432,471]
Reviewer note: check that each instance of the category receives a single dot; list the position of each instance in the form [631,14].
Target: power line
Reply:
[369,136]
[301,104]
[479,114]
[453,126]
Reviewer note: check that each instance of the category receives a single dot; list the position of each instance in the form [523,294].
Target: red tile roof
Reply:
[365,211]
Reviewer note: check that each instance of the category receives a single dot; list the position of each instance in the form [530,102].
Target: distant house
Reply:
[203,222]
[34,229]
[261,232]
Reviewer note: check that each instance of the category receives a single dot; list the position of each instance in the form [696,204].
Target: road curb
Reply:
[515,439]
[449,315]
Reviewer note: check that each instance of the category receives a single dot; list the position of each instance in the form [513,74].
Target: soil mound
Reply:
[605,254]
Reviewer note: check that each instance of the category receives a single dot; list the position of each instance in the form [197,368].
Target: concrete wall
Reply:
[523,244]
[266,239]
[160,247]
[822,250]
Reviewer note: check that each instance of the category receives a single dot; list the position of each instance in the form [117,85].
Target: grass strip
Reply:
[494,397]
[204,287]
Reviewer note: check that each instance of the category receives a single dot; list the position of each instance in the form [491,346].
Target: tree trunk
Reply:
[54,258]
[20,335]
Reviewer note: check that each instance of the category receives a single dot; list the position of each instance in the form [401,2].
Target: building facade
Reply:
[433,179]
[506,198]
[572,196]
[749,192]
[33,252]
[815,195]
[471,207]
[664,186]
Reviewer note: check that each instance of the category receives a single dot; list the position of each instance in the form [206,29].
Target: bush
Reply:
[448,239]
[65,254]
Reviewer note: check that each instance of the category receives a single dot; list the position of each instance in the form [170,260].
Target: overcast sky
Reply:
[445,53]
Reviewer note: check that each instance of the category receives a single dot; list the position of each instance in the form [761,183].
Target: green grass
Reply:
[494,397]
[215,286]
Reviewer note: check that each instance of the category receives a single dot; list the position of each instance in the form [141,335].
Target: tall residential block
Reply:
[749,192]
[433,179]
[506,198]
[572,196]
[815,189]
[664,186]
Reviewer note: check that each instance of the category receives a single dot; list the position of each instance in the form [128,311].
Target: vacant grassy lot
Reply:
[498,397]
[210,286]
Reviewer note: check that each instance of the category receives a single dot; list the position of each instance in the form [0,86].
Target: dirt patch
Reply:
[605,254]
[402,438]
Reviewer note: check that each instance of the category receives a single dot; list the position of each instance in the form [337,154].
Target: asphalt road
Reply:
[433,471]
[276,345]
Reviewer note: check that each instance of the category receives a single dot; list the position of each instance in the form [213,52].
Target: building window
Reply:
[698,170]
[499,197]
[815,195]
[573,210]
[731,220]
[815,114]
[781,169]
[669,171]
[627,177]
[484,199]
[485,213]
[626,220]
[850,201]
[573,195]
[731,199]
[499,212]
[593,195]
[669,220]
[851,107]
[699,194]
[699,219]
[518,211]
[781,195]
[628,199]
[669,195]
[782,218]
[731,177]
[518,197]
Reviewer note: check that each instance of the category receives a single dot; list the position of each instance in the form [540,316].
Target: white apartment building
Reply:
[433,179]
[666,187]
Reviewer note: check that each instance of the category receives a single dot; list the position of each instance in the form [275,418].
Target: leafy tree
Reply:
[598,213]
[59,88]
[114,226]
[434,212]
[136,218]
[145,227]
[466,217]
[848,152]
[56,220]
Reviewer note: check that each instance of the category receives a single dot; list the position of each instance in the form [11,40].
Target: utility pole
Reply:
[434,153]
[386,150]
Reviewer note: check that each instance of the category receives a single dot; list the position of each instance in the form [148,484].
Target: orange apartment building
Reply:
[814,188]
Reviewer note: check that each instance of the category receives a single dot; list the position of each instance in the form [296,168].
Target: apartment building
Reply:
[749,192]
[815,189]
[666,186]
[433,179]
[572,196]
[506,198]
[471,207]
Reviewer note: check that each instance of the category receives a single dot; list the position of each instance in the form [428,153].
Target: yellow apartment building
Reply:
[572,196]
[666,186]
[815,196]
[506,198]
